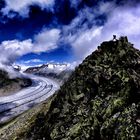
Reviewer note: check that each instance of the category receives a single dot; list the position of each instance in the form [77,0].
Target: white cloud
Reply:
[22,6]
[87,16]
[124,21]
[33,61]
[85,41]
[11,72]
[121,21]
[75,3]
[26,66]
[11,50]
[72,65]
[44,41]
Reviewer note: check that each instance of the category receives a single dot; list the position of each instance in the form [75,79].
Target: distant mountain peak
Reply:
[49,67]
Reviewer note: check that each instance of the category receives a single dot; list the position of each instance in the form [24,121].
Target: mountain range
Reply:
[58,72]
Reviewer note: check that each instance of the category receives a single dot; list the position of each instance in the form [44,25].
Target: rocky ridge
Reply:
[101,100]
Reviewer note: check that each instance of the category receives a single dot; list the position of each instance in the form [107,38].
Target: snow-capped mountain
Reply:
[47,68]
[54,67]
[59,72]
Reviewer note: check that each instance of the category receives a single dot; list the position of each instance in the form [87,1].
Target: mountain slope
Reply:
[59,72]
[101,100]
[8,85]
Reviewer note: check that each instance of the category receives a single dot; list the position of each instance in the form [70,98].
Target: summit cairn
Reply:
[124,39]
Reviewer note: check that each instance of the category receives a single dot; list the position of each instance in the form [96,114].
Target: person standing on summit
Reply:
[114,38]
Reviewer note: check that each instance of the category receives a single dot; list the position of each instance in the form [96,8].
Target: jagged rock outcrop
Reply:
[101,100]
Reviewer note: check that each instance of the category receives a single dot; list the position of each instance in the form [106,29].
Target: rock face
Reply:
[101,100]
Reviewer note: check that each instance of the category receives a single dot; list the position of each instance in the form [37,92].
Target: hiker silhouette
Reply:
[114,38]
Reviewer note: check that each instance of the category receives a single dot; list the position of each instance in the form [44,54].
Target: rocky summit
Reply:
[100,101]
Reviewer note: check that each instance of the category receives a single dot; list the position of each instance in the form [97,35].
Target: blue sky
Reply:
[34,32]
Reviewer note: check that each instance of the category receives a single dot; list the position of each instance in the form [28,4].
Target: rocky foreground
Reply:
[100,101]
